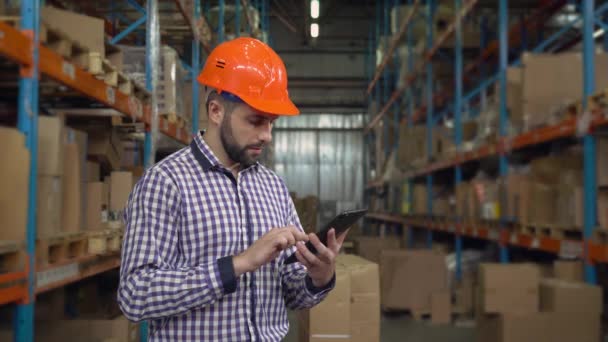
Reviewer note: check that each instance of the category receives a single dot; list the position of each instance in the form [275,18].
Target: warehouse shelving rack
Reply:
[23,47]
[588,249]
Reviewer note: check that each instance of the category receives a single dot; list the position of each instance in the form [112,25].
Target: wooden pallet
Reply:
[550,231]
[60,247]
[12,256]
[141,93]
[104,241]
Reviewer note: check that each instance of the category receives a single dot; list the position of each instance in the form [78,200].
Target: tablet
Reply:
[340,223]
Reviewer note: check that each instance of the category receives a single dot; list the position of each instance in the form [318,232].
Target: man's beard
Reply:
[235,152]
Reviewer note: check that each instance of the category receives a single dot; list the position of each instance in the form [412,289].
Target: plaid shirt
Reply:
[185,219]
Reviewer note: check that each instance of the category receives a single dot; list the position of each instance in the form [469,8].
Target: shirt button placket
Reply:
[246,242]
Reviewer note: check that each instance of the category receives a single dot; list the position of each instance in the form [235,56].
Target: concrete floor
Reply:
[398,328]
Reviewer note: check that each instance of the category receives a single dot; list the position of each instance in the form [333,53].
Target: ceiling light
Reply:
[314,9]
[314,30]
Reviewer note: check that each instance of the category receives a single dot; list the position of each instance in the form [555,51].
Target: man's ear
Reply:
[216,112]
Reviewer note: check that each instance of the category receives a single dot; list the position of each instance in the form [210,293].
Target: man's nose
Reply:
[266,133]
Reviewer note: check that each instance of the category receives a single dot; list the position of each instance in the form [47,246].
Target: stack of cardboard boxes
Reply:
[538,96]
[413,150]
[14,181]
[371,247]
[535,309]
[351,312]
[410,278]
[71,195]
[171,78]
[601,158]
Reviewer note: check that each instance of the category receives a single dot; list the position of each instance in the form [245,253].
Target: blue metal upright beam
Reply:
[385,76]
[503,22]
[377,88]
[410,67]
[196,59]
[237,18]
[589,180]
[397,62]
[458,122]
[28,125]
[429,110]
[220,22]
[483,43]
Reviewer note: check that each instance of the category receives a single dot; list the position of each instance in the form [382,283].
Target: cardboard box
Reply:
[569,207]
[570,270]
[514,96]
[96,205]
[544,90]
[463,294]
[330,320]
[371,248]
[602,208]
[462,200]
[570,297]
[441,308]
[72,190]
[486,204]
[601,157]
[106,148]
[14,182]
[365,297]
[50,146]
[50,206]
[558,169]
[93,172]
[539,327]
[409,278]
[542,204]
[419,199]
[93,330]
[121,184]
[500,294]
[516,188]
[86,31]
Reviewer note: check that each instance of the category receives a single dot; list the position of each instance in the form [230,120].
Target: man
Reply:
[208,228]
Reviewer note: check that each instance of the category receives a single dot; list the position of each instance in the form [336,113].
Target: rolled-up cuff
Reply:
[316,290]
[227,274]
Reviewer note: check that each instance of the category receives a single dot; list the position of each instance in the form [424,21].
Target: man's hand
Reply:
[321,267]
[267,248]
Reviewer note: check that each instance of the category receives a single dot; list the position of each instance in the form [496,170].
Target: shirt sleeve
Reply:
[151,285]
[299,292]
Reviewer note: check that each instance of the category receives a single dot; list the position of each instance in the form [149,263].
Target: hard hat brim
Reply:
[283,107]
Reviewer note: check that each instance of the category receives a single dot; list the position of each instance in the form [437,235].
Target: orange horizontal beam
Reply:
[13,294]
[101,267]
[17,47]
[597,252]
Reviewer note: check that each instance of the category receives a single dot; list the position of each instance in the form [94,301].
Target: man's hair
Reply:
[229,106]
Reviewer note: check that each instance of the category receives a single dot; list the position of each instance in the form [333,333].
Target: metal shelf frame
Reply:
[516,36]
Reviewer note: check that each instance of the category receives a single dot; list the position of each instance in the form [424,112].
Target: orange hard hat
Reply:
[252,71]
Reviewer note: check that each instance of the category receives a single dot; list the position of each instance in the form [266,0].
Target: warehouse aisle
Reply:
[403,329]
